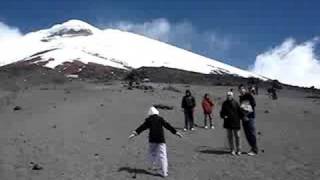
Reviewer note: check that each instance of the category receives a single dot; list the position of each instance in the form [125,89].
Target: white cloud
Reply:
[8,33]
[291,63]
[14,46]
[182,34]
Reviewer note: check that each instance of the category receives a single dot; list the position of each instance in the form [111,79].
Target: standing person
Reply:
[231,113]
[248,104]
[157,144]
[188,104]
[207,106]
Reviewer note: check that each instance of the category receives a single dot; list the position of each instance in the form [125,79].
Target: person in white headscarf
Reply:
[157,143]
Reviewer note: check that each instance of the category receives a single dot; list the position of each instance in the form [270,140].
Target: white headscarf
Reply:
[153,111]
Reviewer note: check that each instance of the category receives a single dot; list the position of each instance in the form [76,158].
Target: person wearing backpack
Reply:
[188,104]
[207,106]
[157,143]
[248,104]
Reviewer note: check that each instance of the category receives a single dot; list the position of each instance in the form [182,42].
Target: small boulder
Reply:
[17,108]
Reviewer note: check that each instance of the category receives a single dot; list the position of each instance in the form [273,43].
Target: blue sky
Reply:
[240,29]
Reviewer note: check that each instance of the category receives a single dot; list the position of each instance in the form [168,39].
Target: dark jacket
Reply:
[232,110]
[155,125]
[252,101]
[188,102]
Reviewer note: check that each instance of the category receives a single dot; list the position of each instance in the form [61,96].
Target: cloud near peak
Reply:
[8,33]
[182,34]
[291,62]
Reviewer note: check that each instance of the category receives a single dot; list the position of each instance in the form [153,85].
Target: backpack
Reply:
[189,102]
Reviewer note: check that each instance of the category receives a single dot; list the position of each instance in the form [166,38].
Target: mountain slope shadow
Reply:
[137,171]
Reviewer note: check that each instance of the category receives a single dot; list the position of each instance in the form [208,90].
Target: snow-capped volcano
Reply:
[78,41]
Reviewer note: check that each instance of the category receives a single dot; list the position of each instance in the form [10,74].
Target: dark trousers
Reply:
[249,128]
[188,118]
[206,117]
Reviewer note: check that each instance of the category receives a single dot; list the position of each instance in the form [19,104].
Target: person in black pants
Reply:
[188,104]
[248,104]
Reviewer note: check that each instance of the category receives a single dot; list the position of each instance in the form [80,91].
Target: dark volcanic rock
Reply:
[36,167]
[17,108]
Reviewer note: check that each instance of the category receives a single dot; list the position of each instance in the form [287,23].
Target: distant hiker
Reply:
[188,104]
[248,104]
[273,93]
[157,144]
[257,89]
[240,86]
[207,106]
[253,90]
[231,113]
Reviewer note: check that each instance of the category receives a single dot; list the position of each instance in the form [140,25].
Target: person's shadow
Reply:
[209,150]
[136,171]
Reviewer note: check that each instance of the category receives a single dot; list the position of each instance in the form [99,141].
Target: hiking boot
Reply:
[184,129]
[239,153]
[192,129]
[212,127]
[233,153]
[206,127]
[251,153]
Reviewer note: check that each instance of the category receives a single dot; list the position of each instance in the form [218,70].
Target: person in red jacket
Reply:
[207,106]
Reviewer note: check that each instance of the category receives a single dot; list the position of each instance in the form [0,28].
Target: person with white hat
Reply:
[157,144]
[232,114]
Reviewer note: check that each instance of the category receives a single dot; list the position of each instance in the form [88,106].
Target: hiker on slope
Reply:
[157,144]
[188,104]
[248,104]
[207,106]
[231,113]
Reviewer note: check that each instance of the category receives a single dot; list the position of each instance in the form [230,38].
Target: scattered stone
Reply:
[108,139]
[162,106]
[17,108]
[67,91]
[101,105]
[259,133]
[266,111]
[54,126]
[36,167]
[262,150]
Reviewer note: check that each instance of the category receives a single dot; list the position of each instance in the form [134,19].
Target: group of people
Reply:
[232,112]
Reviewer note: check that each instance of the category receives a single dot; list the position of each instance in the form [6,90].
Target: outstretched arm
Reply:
[170,128]
[140,129]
